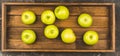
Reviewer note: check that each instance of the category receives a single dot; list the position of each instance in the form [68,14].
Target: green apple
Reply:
[28,36]
[48,17]
[28,17]
[68,36]
[61,12]
[91,37]
[51,31]
[85,20]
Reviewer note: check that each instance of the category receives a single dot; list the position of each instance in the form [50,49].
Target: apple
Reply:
[61,12]
[48,17]
[68,36]
[90,37]
[28,17]
[85,20]
[51,31]
[28,36]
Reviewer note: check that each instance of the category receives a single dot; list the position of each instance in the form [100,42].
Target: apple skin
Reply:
[28,17]
[28,36]
[68,36]
[61,12]
[51,31]
[85,20]
[48,17]
[90,37]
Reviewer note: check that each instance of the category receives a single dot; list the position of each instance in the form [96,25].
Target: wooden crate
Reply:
[103,22]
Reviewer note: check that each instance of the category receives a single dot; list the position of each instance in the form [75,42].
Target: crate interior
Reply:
[101,23]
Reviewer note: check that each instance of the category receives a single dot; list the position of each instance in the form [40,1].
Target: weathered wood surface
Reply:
[102,23]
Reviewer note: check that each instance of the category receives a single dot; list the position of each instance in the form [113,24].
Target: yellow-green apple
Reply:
[61,12]
[28,36]
[90,37]
[48,17]
[68,36]
[28,17]
[51,31]
[85,20]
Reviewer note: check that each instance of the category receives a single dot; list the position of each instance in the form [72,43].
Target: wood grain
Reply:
[102,36]
[15,21]
[74,10]
[46,44]
[101,45]
[57,44]
[17,31]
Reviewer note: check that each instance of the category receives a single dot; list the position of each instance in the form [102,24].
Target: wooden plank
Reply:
[42,37]
[113,28]
[53,44]
[3,26]
[74,10]
[102,44]
[17,31]
[15,21]
[14,33]
[46,44]
[37,50]
[57,3]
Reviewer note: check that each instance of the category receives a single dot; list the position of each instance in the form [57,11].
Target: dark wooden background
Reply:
[116,53]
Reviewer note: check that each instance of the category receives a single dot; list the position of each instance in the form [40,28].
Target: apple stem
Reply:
[52,31]
[26,16]
[48,17]
[91,37]
[27,36]
[57,10]
[85,19]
